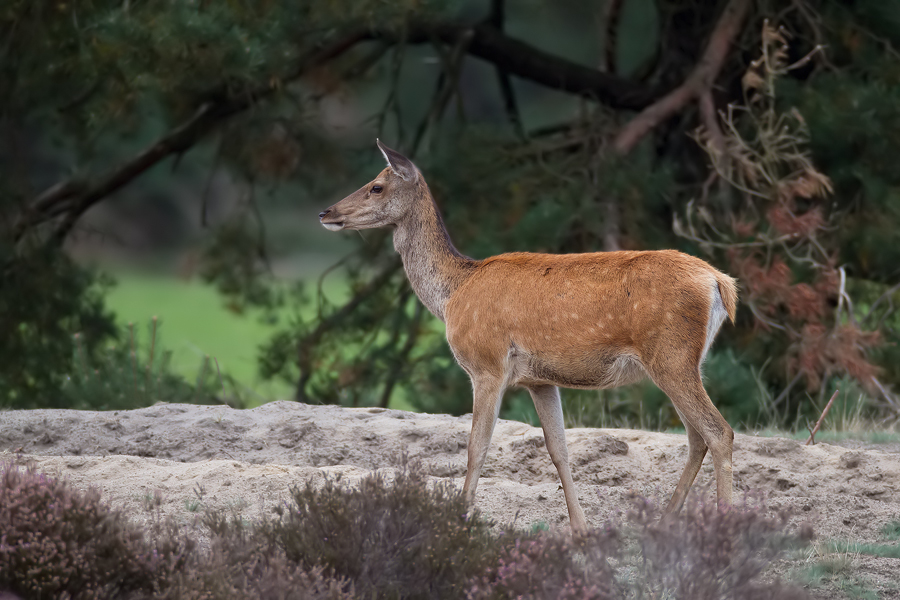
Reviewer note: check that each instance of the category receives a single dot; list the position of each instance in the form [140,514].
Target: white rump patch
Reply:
[717,314]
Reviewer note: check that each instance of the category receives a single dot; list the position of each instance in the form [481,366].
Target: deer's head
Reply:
[385,200]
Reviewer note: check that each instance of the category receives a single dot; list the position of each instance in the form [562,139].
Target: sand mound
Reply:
[248,459]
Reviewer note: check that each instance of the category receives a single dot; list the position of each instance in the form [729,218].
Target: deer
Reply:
[544,321]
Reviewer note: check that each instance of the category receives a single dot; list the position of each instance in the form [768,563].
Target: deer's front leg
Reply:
[549,409]
[488,392]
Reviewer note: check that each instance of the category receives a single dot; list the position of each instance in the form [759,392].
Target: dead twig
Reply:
[812,433]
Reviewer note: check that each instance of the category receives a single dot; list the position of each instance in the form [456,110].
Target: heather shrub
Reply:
[703,553]
[243,564]
[403,539]
[708,553]
[550,565]
[57,541]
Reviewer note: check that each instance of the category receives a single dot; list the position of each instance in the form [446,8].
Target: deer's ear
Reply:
[398,163]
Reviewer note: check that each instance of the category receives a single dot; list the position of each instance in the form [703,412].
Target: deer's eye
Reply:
[376,189]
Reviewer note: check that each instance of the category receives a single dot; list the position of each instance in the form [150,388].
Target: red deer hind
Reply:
[541,321]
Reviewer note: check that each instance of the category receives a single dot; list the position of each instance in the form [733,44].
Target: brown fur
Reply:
[540,321]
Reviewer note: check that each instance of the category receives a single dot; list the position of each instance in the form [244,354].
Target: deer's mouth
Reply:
[337,226]
[331,221]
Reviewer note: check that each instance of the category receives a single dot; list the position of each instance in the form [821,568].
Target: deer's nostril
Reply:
[324,213]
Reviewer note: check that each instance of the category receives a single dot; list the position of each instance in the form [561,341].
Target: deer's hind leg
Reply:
[706,429]
[696,453]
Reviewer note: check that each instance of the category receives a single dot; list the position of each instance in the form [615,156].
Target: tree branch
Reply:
[497,18]
[402,359]
[76,195]
[612,14]
[700,79]
[526,61]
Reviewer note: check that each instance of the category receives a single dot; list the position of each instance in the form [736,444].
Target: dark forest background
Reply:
[760,135]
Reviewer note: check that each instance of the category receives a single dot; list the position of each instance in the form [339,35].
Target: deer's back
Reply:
[577,316]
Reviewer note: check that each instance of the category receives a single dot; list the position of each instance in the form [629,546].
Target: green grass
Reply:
[833,567]
[872,436]
[891,531]
[879,550]
[194,322]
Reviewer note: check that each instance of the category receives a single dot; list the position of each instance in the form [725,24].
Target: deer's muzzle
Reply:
[330,220]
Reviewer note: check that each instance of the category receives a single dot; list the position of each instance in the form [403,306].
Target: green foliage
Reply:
[63,350]
[44,299]
[640,406]
[234,261]
[734,388]
[124,375]
[107,59]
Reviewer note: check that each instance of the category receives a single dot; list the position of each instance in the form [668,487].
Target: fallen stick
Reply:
[812,433]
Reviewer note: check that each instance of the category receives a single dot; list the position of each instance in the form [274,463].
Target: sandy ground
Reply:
[215,456]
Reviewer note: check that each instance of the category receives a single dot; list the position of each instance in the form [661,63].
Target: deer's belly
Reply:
[592,371]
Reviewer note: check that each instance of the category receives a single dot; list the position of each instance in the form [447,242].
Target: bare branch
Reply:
[701,79]
[886,296]
[710,119]
[523,60]
[812,433]
[889,398]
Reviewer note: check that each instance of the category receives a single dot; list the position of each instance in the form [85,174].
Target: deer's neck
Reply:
[435,268]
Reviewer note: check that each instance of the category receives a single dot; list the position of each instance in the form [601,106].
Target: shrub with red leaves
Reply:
[785,250]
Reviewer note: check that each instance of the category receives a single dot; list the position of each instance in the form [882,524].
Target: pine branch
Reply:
[71,198]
